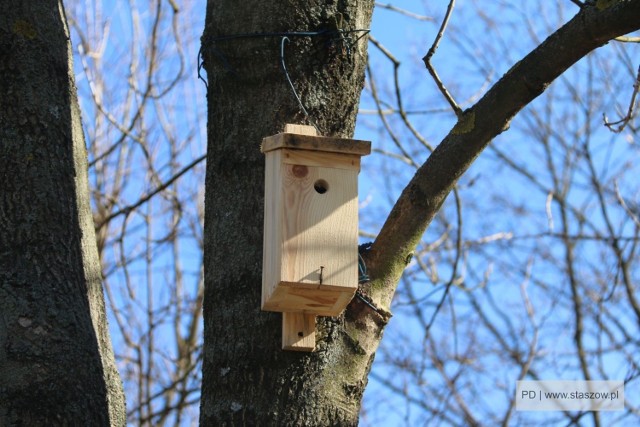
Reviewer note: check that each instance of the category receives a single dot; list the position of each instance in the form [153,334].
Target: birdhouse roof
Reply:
[316,143]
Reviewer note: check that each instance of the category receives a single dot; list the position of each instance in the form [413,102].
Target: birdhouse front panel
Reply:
[320,225]
[311,226]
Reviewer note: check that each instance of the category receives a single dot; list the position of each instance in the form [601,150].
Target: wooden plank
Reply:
[272,239]
[301,129]
[316,143]
[298,329]
[319,158]
[298,332]
[308,298]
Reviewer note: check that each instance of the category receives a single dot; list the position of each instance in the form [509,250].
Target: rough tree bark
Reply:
[247,378]
[56,361]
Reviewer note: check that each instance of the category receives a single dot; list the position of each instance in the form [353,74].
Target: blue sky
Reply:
[474,53]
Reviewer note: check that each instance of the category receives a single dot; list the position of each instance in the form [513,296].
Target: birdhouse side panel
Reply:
[273,234]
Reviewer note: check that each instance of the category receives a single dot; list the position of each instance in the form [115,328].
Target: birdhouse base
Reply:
[309,298]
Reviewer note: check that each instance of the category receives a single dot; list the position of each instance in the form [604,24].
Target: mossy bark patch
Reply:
[465,124]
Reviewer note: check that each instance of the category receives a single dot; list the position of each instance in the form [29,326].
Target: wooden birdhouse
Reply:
[310,263]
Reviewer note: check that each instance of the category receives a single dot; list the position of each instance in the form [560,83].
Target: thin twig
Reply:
[404,12]
[400,104]
[400,157]
[163,186]
[623,203]
[618,126]
[456,263]
[385,123]
[390,111]
[432,51]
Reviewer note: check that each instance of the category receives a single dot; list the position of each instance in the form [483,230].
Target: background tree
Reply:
[146,132]
[56,361]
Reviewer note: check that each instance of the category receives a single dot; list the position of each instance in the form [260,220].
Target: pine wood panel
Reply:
[298,331]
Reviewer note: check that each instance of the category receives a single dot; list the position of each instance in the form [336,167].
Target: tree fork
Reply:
[421,200]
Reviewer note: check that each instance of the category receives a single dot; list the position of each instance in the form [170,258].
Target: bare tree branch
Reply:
[491,115]
[432,51]
[163,186]
[404,12]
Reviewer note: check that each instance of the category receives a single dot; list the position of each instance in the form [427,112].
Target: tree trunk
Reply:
[247,378]
[56,362]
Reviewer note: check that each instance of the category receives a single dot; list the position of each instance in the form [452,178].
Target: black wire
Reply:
[293,89]
[289,34]
[342,36]
[362,267]
[201,66]
[286,34]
